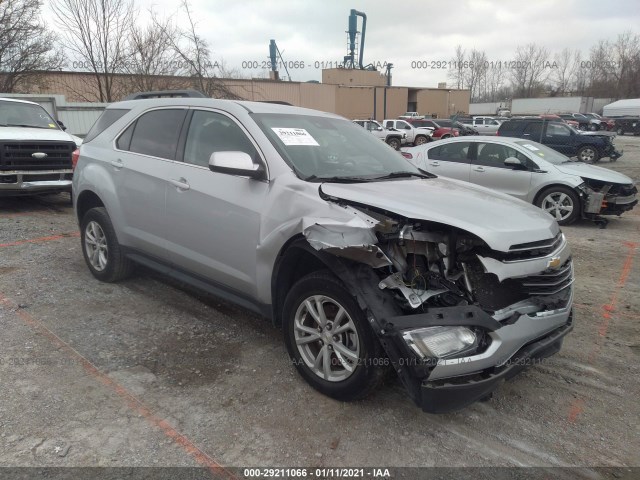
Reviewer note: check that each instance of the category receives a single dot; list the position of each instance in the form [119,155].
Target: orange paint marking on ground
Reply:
[131,400]
[40,239]
[577,406]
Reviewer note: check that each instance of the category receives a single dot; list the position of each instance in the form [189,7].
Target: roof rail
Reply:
[276,102]
[166,93]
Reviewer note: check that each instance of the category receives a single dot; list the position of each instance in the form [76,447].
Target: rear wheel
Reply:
[588,154]
[446,135]
[101,249]
[560,202]
[329,340]
[620,131]
[394,143]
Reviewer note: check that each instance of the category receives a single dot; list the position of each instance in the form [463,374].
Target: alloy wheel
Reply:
[326,338]
[558,204]
[95,244]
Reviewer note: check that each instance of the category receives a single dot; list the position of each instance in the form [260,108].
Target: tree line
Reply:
[106,38]
[610,69]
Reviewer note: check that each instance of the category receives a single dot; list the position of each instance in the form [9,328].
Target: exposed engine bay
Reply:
[426,264]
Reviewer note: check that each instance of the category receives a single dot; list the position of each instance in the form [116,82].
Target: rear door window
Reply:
[156,133]
[457,152]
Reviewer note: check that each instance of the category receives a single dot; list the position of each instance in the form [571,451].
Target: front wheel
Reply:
[101,249]
[560,202]
[588,154]
[420,140]
[394,143]
[329,340]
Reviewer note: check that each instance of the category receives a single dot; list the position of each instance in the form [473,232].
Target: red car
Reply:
[438,130]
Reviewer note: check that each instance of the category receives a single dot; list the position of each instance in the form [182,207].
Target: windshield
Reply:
[331,149]
[18,114]
[542,151]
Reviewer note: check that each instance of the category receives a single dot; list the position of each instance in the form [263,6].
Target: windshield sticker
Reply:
[530,147]
[51,125]
[295,136]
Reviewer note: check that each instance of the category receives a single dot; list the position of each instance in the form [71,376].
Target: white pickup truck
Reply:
[393,138]
[415,135]
[411,116]
[484,125]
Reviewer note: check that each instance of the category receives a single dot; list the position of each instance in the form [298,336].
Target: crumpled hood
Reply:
[591,171]
[498,219]
[25,133]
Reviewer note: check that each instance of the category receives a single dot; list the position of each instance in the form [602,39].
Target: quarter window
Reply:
[213,132]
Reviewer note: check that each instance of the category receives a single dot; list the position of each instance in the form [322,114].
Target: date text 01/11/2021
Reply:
[318,473]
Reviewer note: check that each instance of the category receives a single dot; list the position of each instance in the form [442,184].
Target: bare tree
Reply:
[529,69]
[474,74]
[152,62]
[460,65]
[564,75]
[26,45]
[195,53]
[97,32]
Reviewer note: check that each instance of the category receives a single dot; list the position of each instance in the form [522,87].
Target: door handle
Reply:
[526,134]
[479,169]
[434,164]
[181,183]
[118,164]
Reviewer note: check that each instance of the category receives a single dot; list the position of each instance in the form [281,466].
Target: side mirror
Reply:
[61,125]
[234,163]
[379,129]
[513,162]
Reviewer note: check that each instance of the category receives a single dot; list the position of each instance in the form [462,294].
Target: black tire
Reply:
[446,135]
[593,127]
[116,265]
[394,143]
[421,140]
[571,198]
[588,154]
[620,131]
[368,370]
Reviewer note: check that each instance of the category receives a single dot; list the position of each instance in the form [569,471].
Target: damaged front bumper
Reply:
[444,385]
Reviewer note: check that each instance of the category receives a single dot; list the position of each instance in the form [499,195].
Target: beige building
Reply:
[351,93]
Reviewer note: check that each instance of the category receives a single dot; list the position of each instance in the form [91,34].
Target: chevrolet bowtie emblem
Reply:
[554,262]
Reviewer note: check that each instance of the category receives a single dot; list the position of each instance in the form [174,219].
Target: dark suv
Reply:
[587,146]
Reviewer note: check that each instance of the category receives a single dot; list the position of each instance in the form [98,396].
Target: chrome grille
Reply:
[549,282]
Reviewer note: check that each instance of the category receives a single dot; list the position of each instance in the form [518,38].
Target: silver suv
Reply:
[366,262]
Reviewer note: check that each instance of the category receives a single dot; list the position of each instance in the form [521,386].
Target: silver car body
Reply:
[525,184]
[484,125]
[232,230]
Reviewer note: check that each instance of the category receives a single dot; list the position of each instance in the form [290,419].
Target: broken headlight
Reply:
[441,342]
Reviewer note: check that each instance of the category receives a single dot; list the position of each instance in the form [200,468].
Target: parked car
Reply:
[604,122]
[584,122]
[586,146]
[624,125]
[439,131]
[484,125]
[394,138]
[463,128]
[362,259]
[532,172]
[410,115]
[415,135]
[549,116]
[35,152]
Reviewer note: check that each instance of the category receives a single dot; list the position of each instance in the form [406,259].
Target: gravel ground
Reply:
[150,373]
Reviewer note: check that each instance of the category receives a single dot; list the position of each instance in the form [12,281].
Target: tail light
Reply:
[74,158]
[407,155]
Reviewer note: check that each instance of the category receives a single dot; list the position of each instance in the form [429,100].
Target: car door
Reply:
[449,160]
[213,219]
[144,151]
[489,170]
[559,137]
[405,127]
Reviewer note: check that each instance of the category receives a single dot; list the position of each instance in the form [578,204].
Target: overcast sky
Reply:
[399,32]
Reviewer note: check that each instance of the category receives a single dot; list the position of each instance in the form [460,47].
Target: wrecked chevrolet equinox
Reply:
[366,262]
